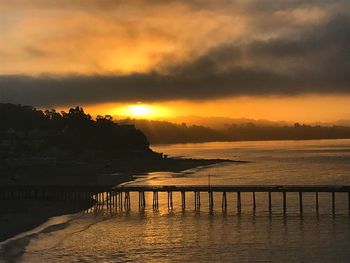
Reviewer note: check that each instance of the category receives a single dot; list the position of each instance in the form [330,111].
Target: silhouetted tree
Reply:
[29,131]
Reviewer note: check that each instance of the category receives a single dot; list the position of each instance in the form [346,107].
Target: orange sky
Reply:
[301,108]
[283,60]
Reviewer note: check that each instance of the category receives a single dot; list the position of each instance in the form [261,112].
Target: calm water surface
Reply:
[102,235]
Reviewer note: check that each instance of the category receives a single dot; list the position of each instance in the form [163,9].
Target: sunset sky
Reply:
[270,59]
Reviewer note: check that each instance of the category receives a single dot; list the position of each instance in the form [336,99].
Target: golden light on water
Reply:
[142,111]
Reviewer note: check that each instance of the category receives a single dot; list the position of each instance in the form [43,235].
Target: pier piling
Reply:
[197,199]
[127,200]
[239,203]
[254,202]
[224,201]
[142,200]
[170,200]
[183,200]
[120,200]
[211,201]
[155,200]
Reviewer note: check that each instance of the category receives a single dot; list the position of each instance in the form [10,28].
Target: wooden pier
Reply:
[236,189]
[119,196]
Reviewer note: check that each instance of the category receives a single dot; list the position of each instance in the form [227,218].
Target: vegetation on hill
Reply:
[26,131]
[297,131]
[163,132]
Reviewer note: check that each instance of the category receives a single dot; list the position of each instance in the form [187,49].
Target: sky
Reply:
[271,59]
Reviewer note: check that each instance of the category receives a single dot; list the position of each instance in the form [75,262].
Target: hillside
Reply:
[28,132]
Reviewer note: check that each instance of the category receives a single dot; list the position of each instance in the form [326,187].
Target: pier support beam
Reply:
[142,201]
[127,200]
[270,203]
[301,203]
[284,203]
[183,199]
[120,200]
[112,198]
[254,202]
[155,200]
[197,200]
[108,198]
[170,200]
[333,203]
[211,201]
[224,201]
[316,202]
[239,203]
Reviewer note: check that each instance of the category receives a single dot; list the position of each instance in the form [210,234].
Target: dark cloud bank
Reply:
[317,60]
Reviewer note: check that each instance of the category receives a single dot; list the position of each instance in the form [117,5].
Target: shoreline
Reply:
[19,216]
[36,212]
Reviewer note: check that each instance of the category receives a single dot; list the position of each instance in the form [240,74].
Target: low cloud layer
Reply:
[234,48]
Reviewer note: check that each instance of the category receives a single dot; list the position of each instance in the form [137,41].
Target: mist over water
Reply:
[219,236]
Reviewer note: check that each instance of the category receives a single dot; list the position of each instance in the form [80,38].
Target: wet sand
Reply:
[17,216]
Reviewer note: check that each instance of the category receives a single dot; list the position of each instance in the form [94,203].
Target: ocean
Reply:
[177,235]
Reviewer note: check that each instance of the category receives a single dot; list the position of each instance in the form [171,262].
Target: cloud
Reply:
[237,48]
[117,36]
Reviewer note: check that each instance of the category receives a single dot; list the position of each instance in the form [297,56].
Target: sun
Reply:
[142,111]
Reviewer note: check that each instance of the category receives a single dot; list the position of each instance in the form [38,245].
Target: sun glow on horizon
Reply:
[143,111]
[305,109]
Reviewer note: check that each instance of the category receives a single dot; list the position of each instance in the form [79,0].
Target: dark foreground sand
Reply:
[17,216]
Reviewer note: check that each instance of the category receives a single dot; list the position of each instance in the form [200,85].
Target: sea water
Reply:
[189,235]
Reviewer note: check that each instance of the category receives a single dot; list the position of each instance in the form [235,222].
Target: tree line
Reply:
[164,132]
[26,131]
